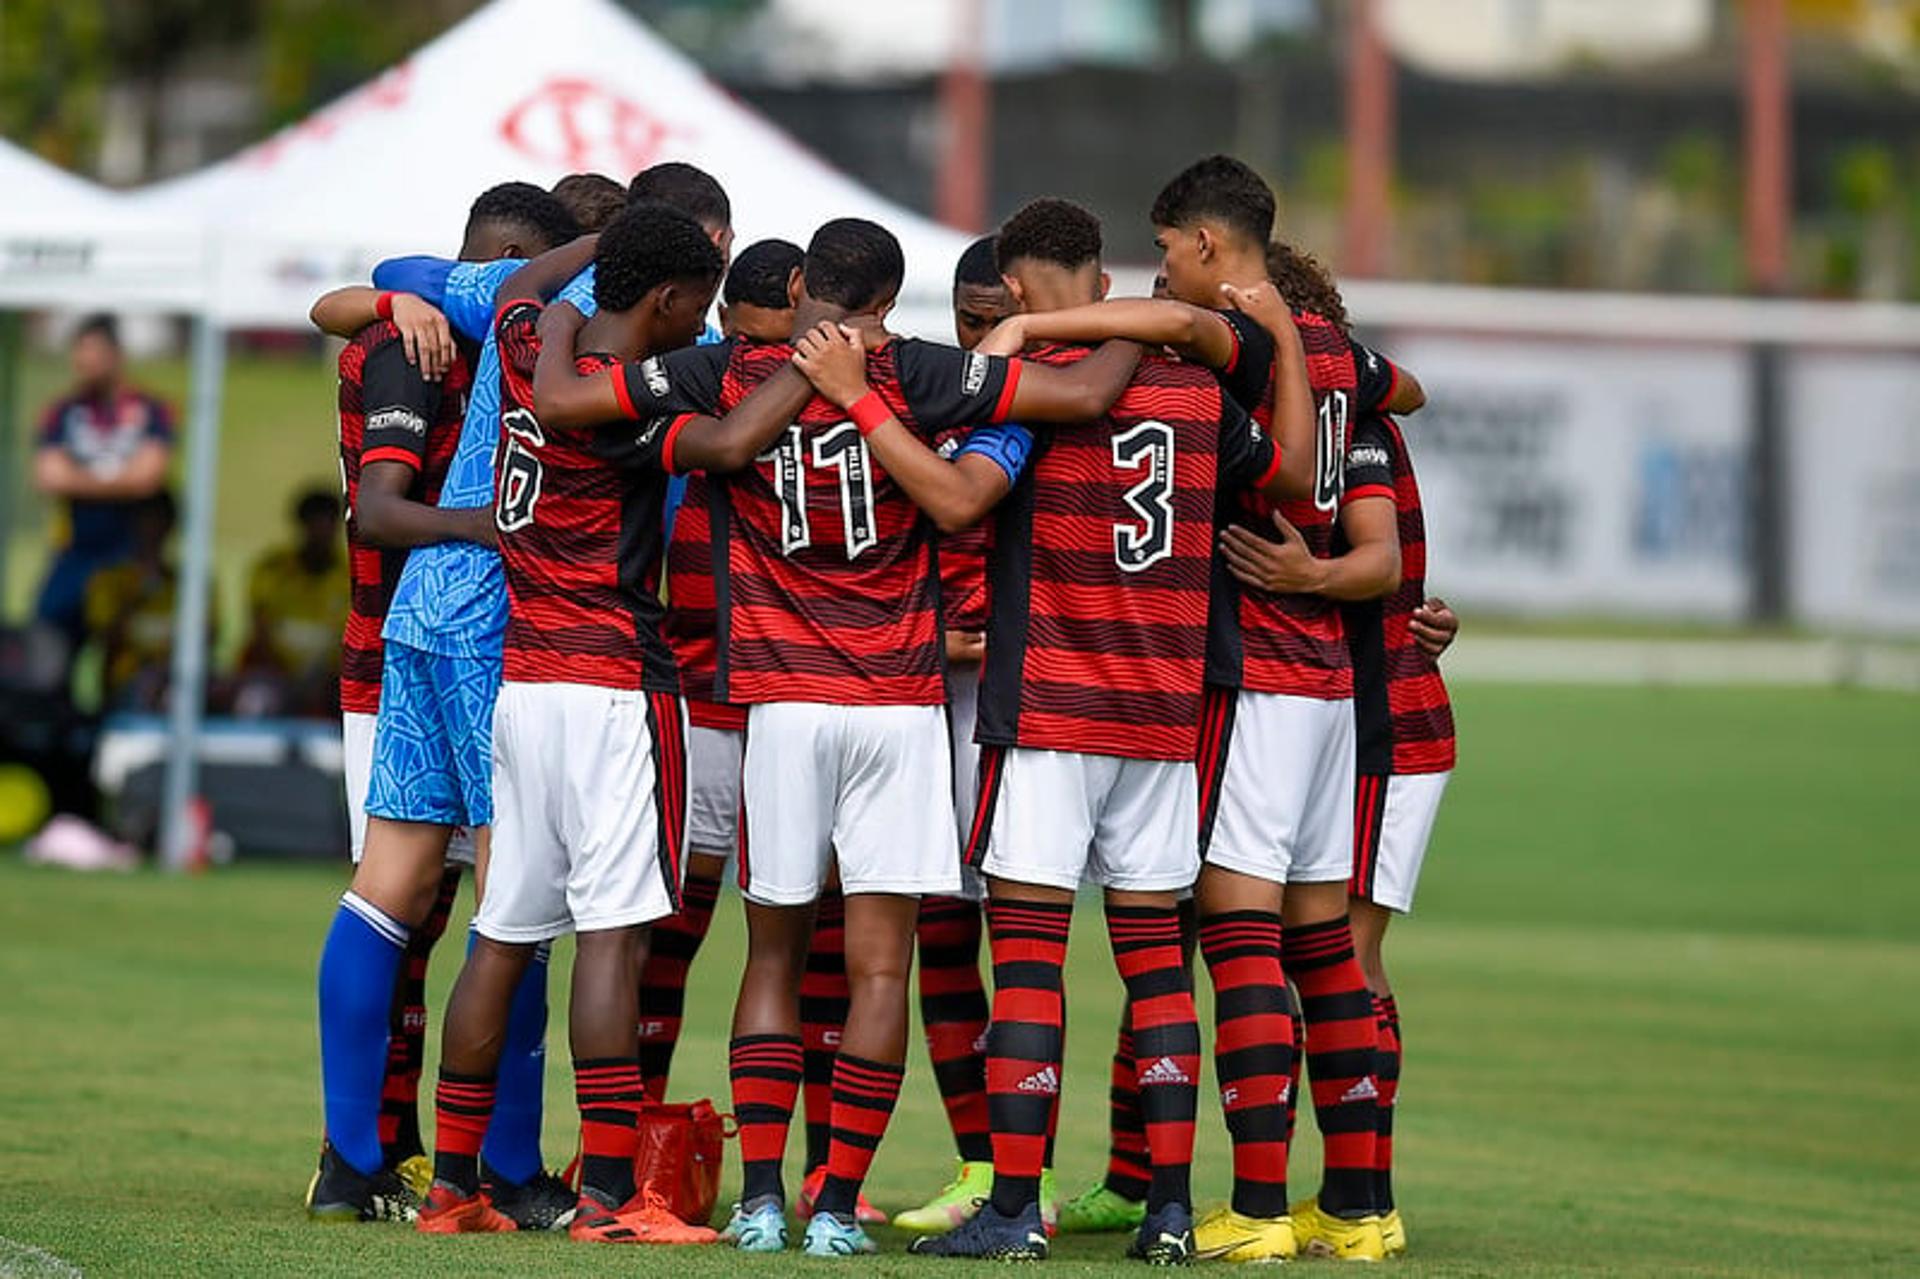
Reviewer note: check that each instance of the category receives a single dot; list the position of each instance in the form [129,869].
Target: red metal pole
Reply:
[1370,128]
[1769,113]
[960,197]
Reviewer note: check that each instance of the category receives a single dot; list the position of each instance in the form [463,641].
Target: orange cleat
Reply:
[449,1212]
[865,1213]
[644,1218]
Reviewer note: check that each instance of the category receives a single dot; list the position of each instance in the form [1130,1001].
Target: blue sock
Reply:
[512,1146]
[358,966]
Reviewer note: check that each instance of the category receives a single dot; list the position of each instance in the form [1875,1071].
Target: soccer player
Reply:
[424,780]
[953,1001]
[829,635]
[594,199]
[588,747]
[1089,722]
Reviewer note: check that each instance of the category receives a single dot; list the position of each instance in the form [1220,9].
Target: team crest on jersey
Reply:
[655,375]
[974,375]
[397,419]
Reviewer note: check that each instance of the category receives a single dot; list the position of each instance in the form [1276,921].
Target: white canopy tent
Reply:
[526,89]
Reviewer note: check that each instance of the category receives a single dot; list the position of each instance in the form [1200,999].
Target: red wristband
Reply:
[383,305]
[868,412]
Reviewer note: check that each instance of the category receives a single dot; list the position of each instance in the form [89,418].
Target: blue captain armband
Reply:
[1005,444]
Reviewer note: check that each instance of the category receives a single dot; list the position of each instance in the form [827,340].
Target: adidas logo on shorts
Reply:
[1046,1080]
[1362,1091]
[1164,1071]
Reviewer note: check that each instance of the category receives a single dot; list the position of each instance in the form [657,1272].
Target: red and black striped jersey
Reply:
[580,519]
[388,413]
[1101,564]
[1402,717]
[691,627]
[1295,644]
[827,589]
[963,564]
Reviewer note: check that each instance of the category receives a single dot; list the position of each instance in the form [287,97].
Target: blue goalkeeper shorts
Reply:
[433,741]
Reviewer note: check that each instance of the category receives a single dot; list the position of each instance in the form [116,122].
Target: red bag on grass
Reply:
[681,1149]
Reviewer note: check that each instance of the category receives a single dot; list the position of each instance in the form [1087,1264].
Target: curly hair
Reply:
[759,274]
[528,209]
[854,263]
[1219,189]
[1049,230]
[1304,284]
[645,247]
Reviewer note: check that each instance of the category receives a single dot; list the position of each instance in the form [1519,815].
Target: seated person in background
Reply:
[129,613]
[297,601]
[102,449]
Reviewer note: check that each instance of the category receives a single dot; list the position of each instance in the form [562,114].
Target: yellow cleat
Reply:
[1321,1234]
[417,1172]
[1225,1235]
[1393,1233]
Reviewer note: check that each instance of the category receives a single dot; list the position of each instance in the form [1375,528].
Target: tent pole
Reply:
[189,683]
[9,442]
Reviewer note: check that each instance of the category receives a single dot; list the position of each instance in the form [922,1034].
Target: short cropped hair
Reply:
[978,266]
[1222,189]
[854,263]
[526,208]
[593,198]
[759,275]
[682,186]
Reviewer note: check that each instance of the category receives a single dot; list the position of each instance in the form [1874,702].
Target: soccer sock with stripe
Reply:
[407,1031]
[663,979]
[462,1105]
[864,1093]
[1128,1166]
[766,1082]
[1342,1038]
[513,1140]
[1253,1052]
[1166,1041]
[953,1008]
[1025,1041]
[609,1093]
[824,1000]
[359,966]
[1387,1075]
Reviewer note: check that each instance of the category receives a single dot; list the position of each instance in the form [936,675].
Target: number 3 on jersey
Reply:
[517,489]
[840,449]
[1148,447]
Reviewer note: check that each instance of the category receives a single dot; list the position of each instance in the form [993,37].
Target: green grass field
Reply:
[1658,998]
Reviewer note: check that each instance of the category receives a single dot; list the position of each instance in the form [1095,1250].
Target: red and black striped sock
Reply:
[663,981]
[1387,1075]
[1129,1169]
[766,1082]
[1253,1052]
[953,1008]
[1299,1055]
[1025,1041]
[1342,1038]
[824,1000]
[864,1093]
[609,1093]
[407,1031]
[462,1105]
[1166,1041]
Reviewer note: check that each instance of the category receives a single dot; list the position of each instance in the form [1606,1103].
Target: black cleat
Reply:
[1165,1238]
[543,1203]
[990,1236]
[341,1193]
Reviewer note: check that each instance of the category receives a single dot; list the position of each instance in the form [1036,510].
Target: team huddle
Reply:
[921,640]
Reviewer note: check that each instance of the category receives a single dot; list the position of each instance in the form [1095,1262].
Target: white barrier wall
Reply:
[1575,475]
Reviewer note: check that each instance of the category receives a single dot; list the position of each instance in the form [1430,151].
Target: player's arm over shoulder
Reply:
[1383,386]
[1191,331]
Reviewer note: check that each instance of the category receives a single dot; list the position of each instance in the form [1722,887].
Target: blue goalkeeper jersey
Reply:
[452,596]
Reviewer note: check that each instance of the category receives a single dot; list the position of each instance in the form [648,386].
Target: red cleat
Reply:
[448,1212]
[863,1212]
[642,1219]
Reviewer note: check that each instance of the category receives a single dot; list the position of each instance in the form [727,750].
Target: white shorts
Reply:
[963,711]
[871,784]
[713,790]
[356,729]
[1052,817]
[1392,821]
[589,804]
[1277,793]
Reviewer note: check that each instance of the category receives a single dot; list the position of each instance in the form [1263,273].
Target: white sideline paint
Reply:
[1786,663]
[24,1261]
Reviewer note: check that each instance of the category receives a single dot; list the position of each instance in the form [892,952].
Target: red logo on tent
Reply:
[384,94]
[578,126]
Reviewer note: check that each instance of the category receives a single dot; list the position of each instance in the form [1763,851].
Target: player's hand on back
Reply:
[966,646]
[834,359]
[1263,304]
[1009,337]
[424,335]
[1434,626]
[1285,567]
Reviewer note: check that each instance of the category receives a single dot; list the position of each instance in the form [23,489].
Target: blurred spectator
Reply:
[297,600]
[104,450]
[129,611]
